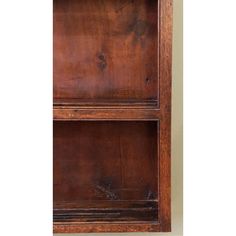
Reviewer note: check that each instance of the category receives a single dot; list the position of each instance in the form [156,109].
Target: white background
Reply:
[209,117]
[26,117]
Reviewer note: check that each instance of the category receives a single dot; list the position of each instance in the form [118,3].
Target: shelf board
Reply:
[77,113]
[106,103]
[106,211]
[74,109]
[139,214]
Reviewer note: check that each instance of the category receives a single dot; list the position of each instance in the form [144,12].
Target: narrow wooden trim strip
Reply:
[105,114]
[165,66]
[109,227]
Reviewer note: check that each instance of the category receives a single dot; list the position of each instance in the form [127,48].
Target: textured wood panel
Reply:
[112,66]
[105,161]
[105,49]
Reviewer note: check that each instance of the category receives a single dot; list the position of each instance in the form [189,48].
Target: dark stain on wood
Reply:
[150,195]
[107,51]
[104,160]
[113,211]
[139,27]
[106,190]
[147,80]
[102,64]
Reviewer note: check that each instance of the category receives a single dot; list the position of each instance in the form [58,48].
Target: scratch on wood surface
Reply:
[150,195]
[107,191]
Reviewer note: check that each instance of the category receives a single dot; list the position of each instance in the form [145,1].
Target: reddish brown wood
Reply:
[106,211]
[105,110]
[109,227]
[112,115]
[165,29]
[105,161]
[105,49]
[75,113]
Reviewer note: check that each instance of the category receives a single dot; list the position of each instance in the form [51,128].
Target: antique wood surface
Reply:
[106,211]
[74,109]
[105,49]
[105,161]
[112,115]
[77,113]
[165,32]
[106,227]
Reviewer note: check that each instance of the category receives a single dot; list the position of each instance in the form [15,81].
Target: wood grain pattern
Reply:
[105,161]
[165,109]
[105,172]
[75,113]
[112,115]
[109,227]
[74,109]
[105,49]
[105,211]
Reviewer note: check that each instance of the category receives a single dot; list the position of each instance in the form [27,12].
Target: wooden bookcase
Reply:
[111,115]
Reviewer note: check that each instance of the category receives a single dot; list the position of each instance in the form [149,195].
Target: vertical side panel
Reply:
[165,57]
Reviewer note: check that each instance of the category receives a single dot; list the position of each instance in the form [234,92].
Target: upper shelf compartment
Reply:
[106,51]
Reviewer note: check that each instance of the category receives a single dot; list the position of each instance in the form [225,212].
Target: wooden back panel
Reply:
[105,49]
[105,161]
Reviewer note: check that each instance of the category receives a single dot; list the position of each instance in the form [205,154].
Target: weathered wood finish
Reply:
[112,115]
[105,211]
[165,72]
[105,161]
[77,113]
[105,49]
[73,109]
[106,227]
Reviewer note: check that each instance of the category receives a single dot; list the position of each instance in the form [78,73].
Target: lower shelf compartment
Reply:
[105,176]
[105,211]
